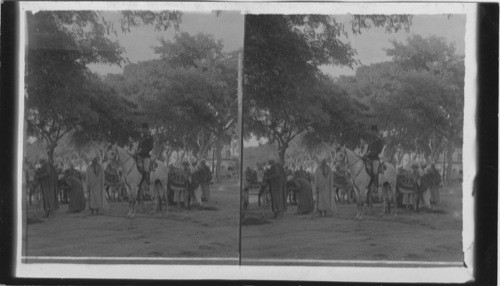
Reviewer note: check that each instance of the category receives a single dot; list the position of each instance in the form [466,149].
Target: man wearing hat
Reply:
[373,151]
[143,152]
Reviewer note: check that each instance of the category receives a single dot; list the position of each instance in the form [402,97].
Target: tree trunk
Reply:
[281,152]
[50,152]
[450,148]
[218,153]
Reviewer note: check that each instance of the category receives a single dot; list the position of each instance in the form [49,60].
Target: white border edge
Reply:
[456,274]
[469,149]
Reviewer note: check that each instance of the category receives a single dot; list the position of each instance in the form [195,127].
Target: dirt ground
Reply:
[214,232]
[209,232]
[425,236]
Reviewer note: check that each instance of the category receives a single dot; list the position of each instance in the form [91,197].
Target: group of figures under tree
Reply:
[349,177]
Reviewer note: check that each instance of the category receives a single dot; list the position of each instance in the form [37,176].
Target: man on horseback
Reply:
[143,153]
[373,151]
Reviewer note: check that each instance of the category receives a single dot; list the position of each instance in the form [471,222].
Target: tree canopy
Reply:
[282,56]
[417,98]
[189,95]
[63,94]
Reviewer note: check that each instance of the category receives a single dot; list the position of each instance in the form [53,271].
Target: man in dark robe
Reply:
[436,182]
[205,182]
[302,188]
[47,178]
[276,180]
[75,189]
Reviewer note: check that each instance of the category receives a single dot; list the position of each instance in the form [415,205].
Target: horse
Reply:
[132,177]
[360,178]
[343,187]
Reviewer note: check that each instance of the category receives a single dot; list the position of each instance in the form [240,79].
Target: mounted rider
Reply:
[375,147]
[143,153]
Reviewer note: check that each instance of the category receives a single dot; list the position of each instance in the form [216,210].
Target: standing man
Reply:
[323,179]
[75,189]
[143,153]
[195,179]
[302,187]
[276,181]
[375,146]
[205,182]
[47,179]
[436,182]
[95,186]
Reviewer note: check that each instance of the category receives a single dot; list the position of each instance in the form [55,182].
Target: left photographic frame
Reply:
[128,142]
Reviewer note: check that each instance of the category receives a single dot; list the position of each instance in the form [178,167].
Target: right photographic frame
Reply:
[358,127]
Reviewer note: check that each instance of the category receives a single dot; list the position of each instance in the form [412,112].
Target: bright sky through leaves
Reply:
[227,26]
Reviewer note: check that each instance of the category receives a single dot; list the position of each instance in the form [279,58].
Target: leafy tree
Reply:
[190,94]
[198,51]
[282,55]
[417,98]
[434,86]
[58,82]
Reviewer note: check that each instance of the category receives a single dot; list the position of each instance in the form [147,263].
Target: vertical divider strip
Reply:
[240,134]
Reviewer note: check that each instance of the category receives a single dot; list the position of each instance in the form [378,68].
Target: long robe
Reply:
[435,186]
[76,196]
[47,178]
[276,180]
[95,183]
[324,187]
[197,192]
[305,202]
[205,184]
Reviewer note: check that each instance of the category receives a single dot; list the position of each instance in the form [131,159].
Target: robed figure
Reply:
[303,190]
[74,188]
[95,187]
[206,176]
[323,179]
[47,179]
[276,180]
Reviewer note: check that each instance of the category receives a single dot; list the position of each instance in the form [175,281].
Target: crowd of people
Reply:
[282,181]
[414,172]
[87,190]
[50,181]
[197,173]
